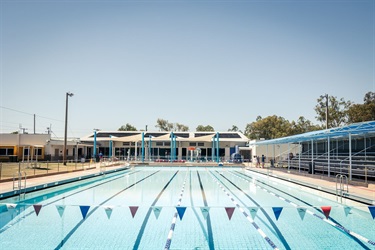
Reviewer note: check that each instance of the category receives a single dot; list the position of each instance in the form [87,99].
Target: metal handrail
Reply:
[17,179]
[342,188]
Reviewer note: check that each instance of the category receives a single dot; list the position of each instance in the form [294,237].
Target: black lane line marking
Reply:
[308,186]
[343,229]
[92,211]
[25,206]
[195,211]
[208,219]
[278,232]
[257,228]
[142,229]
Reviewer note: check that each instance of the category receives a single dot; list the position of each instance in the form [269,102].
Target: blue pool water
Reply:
[183,208]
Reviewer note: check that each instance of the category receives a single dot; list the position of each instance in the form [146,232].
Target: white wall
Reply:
[279,151]
[24,139]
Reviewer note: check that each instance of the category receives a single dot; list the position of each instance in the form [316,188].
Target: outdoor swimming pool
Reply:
[183,208]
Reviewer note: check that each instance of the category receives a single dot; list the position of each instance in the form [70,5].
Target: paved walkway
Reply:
[35,181]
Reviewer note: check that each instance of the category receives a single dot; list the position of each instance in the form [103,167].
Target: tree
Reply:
[363,112]
[302,126]
[337,111]
[181,127]
[164,125]
[202,128]
[270,127]
[127,127]
[233,129]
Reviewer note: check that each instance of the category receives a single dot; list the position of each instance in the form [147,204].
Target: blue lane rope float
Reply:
[358,236]
[248,217]
[176,214]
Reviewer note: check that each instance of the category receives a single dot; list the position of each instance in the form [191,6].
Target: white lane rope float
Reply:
[171,230]
[358,236]
[248,217]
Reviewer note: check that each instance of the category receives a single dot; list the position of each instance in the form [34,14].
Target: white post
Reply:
[329,157]
[299,156]
[36,156]
[312,156]
[289,156]
[350,156]
[365,147]
[136,150]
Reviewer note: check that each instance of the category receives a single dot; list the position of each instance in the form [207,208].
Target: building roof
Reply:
[355,130]
[133,136]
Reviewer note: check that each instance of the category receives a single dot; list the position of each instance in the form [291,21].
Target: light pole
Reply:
[327,116]
[66,125]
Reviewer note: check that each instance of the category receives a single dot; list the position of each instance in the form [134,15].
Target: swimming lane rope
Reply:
[358,236]
[171,230]
[259,230]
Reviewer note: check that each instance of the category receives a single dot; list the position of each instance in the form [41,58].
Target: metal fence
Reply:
[361,170]
[40,168]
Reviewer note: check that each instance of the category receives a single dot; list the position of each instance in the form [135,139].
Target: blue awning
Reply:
[356,129]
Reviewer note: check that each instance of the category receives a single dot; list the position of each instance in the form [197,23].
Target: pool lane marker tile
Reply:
[372,211]
[277,211]
[37,208]
[157,211]
[229,211]
[84,210]
[326,210]
[133,210]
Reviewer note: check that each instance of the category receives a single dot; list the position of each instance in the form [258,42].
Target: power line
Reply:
[23,112]
[16,110]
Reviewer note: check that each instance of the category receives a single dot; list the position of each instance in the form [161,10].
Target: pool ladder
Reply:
[342,188]
[102,167]
[19,182]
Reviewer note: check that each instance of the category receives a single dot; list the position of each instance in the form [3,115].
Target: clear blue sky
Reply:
[218,63]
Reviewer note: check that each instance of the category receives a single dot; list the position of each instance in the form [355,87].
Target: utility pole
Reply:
[68,94]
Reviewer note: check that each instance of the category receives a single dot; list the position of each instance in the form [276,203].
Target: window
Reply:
[6,151]
[201,144]
[167,143]
[126,144]
[159,144]
[37,151]
[192,144]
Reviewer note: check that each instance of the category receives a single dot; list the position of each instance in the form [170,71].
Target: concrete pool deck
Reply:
[356,192]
